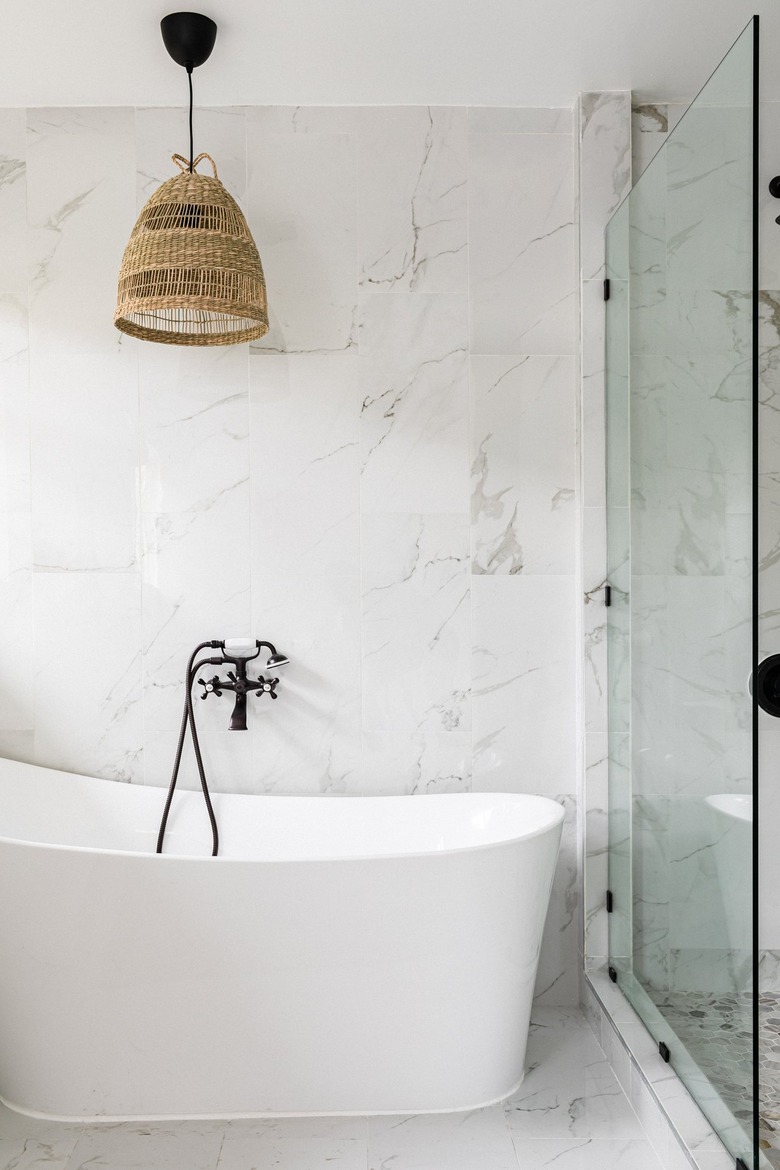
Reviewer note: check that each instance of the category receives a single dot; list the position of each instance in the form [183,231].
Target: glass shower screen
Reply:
[680,520]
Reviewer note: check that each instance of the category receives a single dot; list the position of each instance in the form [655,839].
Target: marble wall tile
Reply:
[412,198]
[557,980]
[305,463]
[13,202]
[84,442]
[16,633]
[414,393]
[162,131]
[81,209]
[594,618]
[523,683]
[302,202]
[649,130]
[416,635]
[92,723]
[194,425]
[522,465]
[521,244]
[592,404]
[605,170]
[309,740]
[596,879]
[514,120]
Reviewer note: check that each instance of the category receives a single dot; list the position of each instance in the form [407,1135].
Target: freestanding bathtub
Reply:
[340,955]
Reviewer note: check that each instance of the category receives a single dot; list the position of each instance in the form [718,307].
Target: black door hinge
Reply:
[663,1051]
[612,974]
[609,901]
[606,289]
[608,595]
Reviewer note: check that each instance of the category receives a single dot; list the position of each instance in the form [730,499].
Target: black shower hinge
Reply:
[740,1165]
[608,595]
[663,1051]
[606,289]
[612,974]
[609,901]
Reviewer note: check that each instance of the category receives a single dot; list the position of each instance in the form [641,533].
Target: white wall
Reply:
[385,485]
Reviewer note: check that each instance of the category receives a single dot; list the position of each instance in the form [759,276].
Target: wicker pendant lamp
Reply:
[191,273]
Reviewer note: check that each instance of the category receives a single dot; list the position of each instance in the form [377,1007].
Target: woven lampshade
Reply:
[191,273]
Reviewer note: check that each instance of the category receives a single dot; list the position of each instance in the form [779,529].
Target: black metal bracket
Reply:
[606,289]
[612,974]
[608,595]
[740,1165]
[663,1051]
[609,901]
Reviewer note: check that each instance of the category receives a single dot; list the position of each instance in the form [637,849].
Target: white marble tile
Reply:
[517,120]
[450,1141]
[324,1127]
[283,1153]
[33,1154]
[14,405]
[81,208]
[649,130]
[305,463]
[416,762]
[84,442]
[557,979]
[162,131]
[196,586]
[117,1148]
[18,1127]
[769,209]
[592,421]
[523,683]
[414,392]
[593,523]
[416,636]
[569,1089]
[308,741]
[587,1155]
[521,244]
[596,843]
[412,198]
[522,465]
[13,202]
[91,724]
[605,170]
[301,204]
[194,425]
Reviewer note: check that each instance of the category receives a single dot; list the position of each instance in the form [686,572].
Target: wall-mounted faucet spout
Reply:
[240,651]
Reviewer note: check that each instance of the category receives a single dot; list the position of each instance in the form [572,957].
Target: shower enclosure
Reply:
[682,474]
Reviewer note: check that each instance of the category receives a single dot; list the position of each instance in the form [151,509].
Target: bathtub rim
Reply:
[340,859]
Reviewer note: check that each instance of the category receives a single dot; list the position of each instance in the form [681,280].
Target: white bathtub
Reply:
[339,956]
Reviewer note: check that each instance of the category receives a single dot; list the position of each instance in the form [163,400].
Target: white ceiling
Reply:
[470,52]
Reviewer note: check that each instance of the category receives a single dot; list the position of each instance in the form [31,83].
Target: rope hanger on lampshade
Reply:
[191,273]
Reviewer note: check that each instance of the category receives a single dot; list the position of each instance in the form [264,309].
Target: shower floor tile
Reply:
[724,1052]
[569,1113]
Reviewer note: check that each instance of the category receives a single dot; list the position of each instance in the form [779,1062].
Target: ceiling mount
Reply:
[189,38]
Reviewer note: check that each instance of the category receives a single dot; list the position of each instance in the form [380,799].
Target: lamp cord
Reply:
[189,78]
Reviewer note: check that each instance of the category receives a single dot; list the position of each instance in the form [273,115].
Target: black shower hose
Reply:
[188,717]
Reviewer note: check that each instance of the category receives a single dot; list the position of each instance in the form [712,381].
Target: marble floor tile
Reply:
[132,1147]
[268,1152]
[449,1141]
[32,1153]
[569,1089]
[586,1155]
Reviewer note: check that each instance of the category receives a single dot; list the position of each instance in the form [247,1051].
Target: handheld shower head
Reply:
[277,660]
